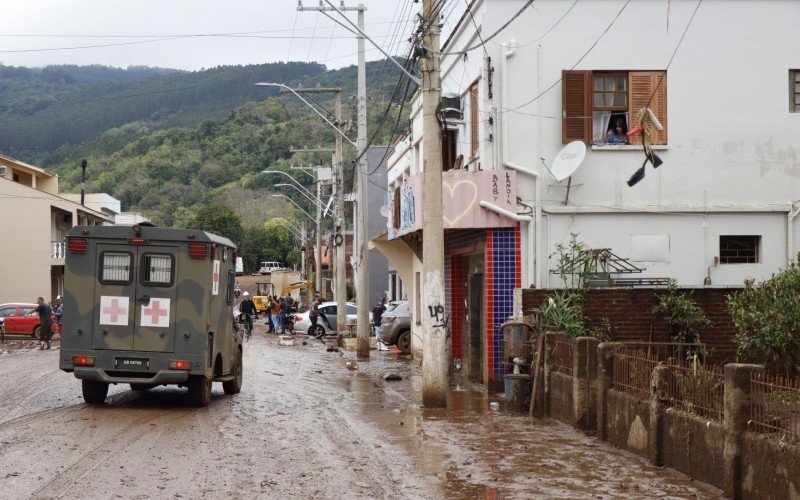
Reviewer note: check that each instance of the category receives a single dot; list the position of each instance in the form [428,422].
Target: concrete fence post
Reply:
[659,400]
[584,384]
[605,377]
[736,413]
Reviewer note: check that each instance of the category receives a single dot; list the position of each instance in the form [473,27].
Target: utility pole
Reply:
[318,257]
[434,316]
[360,270]
[339,240]
[362,282]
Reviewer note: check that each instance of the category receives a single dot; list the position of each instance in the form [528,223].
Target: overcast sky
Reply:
[158,32]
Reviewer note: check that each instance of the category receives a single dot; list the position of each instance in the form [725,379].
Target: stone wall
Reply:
[771,468]
[694,446]
[559,398]
[628,422]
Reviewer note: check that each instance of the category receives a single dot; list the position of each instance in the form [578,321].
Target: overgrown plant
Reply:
[564,309]
[767,319]
[686,320]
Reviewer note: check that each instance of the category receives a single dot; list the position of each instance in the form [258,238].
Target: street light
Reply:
[316,203]
[296,184]
[288,225]
[295,204]
[290,89]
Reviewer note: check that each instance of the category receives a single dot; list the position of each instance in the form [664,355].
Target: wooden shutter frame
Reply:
[646,84]
[576,98]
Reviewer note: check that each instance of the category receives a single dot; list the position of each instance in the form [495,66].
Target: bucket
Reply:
[518,391]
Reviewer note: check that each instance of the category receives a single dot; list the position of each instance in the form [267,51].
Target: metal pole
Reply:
[339,240]
[434,316]
[303,250]
[362,284]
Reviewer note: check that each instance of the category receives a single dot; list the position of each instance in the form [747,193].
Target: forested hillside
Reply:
[169,174]
[44,109]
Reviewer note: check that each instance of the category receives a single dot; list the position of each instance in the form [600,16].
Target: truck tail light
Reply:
[180,365]
[77,245]
[298,318]
[83,361]
[198,250]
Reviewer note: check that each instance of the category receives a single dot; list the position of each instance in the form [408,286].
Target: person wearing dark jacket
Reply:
[377,317]
[248,310]
[46,323]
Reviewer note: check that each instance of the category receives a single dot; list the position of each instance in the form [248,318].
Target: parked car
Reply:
[21,318]
[396,325]
[302,323]
[268,266]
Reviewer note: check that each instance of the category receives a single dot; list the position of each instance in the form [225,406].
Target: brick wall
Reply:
[630,313]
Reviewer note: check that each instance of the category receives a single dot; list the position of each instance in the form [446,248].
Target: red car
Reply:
[22,319]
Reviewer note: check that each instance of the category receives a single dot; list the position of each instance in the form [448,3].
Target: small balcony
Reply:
[57,251]
[462,194]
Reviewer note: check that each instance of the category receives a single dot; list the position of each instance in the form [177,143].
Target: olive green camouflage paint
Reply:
[201,324]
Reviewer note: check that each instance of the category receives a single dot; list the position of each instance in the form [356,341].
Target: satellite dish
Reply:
[385,211]
[568,160]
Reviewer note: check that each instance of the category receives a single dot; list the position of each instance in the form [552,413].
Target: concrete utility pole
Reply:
[318,256]
[339,240]
[434,316]
[362,283]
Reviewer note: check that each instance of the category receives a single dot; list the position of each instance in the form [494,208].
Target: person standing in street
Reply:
[58,310]
[46,323]
[275,305]
[377,317]
[270,323]
[313,312]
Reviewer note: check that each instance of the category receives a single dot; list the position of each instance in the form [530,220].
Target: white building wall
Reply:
[733,150]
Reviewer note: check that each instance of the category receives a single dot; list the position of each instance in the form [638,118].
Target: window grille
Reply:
[157,269]
[116,267]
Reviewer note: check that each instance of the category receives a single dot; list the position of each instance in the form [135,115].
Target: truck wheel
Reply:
[94,392]
[200,390]
[404,342]
[235,385]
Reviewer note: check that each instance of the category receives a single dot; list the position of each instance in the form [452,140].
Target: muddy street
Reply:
[304,425]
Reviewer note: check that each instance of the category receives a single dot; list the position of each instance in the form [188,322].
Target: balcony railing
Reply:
[58,250]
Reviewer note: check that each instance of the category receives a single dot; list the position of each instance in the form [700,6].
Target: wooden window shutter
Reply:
[576,103]
[474,119]
[396,208]
[642,85]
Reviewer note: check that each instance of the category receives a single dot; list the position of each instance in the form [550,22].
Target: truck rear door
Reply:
[136,295]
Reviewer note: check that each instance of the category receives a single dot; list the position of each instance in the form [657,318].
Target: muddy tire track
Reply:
[130,433]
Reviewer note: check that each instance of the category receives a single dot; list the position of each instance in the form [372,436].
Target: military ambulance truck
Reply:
[150,306]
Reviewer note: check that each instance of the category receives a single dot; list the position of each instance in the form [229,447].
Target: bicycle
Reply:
[247,321]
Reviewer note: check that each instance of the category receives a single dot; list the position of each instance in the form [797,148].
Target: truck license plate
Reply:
[132,363]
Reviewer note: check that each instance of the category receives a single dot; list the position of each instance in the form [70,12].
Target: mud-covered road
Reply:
[304,426]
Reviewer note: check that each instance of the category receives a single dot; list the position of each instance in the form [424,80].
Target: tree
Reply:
[219,220]
[278,240]
[685,318]
[767,320]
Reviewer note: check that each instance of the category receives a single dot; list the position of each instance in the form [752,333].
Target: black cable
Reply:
[504,26]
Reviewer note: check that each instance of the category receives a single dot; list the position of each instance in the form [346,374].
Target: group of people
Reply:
[46,313]
[277,311]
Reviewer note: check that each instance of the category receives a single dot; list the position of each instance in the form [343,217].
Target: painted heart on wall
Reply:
[458,200]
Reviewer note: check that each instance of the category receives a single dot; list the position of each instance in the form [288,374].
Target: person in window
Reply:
[618,134]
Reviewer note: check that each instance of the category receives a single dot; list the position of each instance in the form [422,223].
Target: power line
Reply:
[504,26]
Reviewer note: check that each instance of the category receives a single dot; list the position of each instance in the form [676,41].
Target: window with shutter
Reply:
[794,90]
[593,101]
[474,121]
[396,208]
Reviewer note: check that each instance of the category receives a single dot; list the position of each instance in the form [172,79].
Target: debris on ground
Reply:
[333,348]
[351,365]
[286,340]
[392,376]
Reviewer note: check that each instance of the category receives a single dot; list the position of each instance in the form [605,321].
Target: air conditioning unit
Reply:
[3,171]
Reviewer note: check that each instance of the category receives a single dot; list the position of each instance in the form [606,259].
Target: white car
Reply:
[268,266]
[302,323]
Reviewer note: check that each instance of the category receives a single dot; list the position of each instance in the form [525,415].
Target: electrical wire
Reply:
[504,26]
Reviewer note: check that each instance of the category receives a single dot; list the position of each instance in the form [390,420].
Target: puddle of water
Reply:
[478,452]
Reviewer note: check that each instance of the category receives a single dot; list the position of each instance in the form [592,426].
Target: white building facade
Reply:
[722,78]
